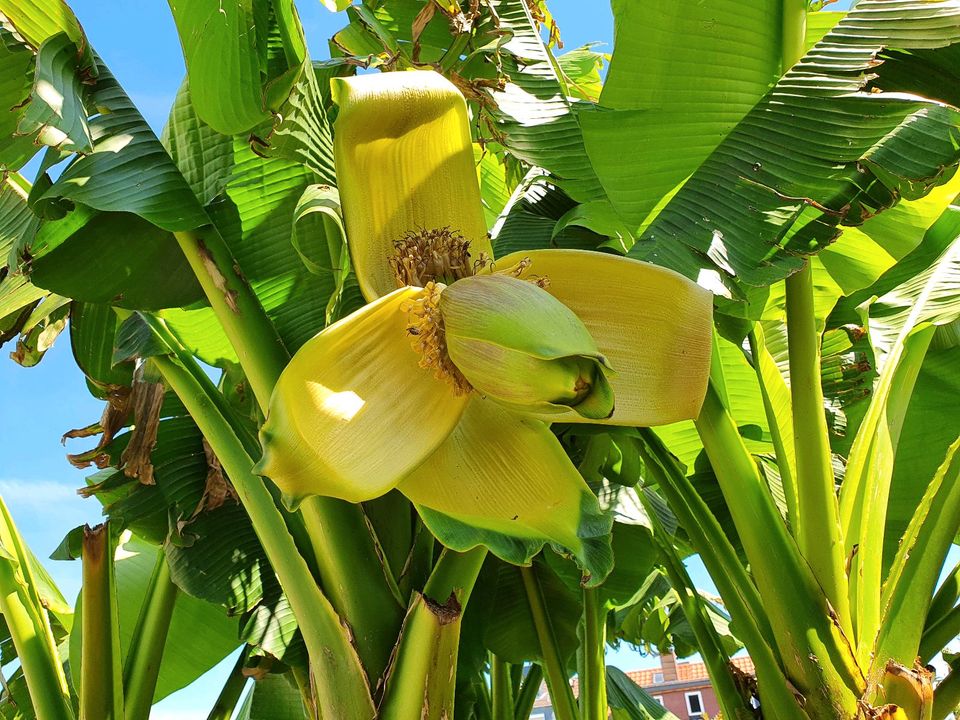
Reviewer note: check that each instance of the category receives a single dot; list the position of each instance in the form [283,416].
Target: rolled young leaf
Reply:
[353,412]
[518,345]
[653,325]
[404,164]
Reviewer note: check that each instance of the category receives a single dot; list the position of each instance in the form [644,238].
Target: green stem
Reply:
[947,595]
[801,618]
[455,573]
[554,669]
[529,689]
[142,667]
[593,674]
[452,56]
[936,637]
[37,658]
[295,521]
[101,676]
[259,348]
[818,516]
[785,459]
[739,594]
[348,571]
[501,688]
[374,615]
[231,691]
[338,674]
[711,543]
[29,626]
[818,527]
[422,680]
[711,650]
[794,32]
[416,568]
[946,698]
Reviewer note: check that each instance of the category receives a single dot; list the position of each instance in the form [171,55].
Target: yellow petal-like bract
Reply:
[353,412]
[507,473]
[404,164]
[652,324]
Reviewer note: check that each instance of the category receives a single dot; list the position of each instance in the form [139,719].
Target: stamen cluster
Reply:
[425,328]
[437,255]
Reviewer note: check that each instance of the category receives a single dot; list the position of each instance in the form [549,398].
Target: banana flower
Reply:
[445,384]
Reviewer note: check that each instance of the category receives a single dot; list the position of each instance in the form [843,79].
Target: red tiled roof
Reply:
[687,672]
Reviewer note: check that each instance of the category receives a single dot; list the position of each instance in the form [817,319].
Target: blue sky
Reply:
[139,43]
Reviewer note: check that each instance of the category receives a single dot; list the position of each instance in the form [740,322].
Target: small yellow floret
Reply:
[425,328]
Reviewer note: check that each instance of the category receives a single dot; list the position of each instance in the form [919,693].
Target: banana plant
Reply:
[493,328]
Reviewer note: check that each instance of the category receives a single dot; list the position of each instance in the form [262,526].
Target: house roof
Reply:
[686,672]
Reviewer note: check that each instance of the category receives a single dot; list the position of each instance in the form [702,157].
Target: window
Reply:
[694,705]
[538,716]
[659,699]
[658,677]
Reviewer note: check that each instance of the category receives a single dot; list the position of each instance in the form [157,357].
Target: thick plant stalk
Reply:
[593,673]
[231,691]
[254,338]
[527,695]
[101,687]
[946,697]
[142,667]
[913,575]
[374,615]
[716,660]
[737,589]
[501,689]
[866,484]
[351,572]
[339,677]
[818,518]
[564,706]
[802,621]
[936,637]
[347,559]
[422,680]
[29,628]
[817,523]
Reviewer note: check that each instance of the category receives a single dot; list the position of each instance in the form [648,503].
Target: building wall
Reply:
[675,700]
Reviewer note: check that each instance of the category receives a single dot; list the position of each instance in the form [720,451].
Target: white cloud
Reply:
[38,493]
